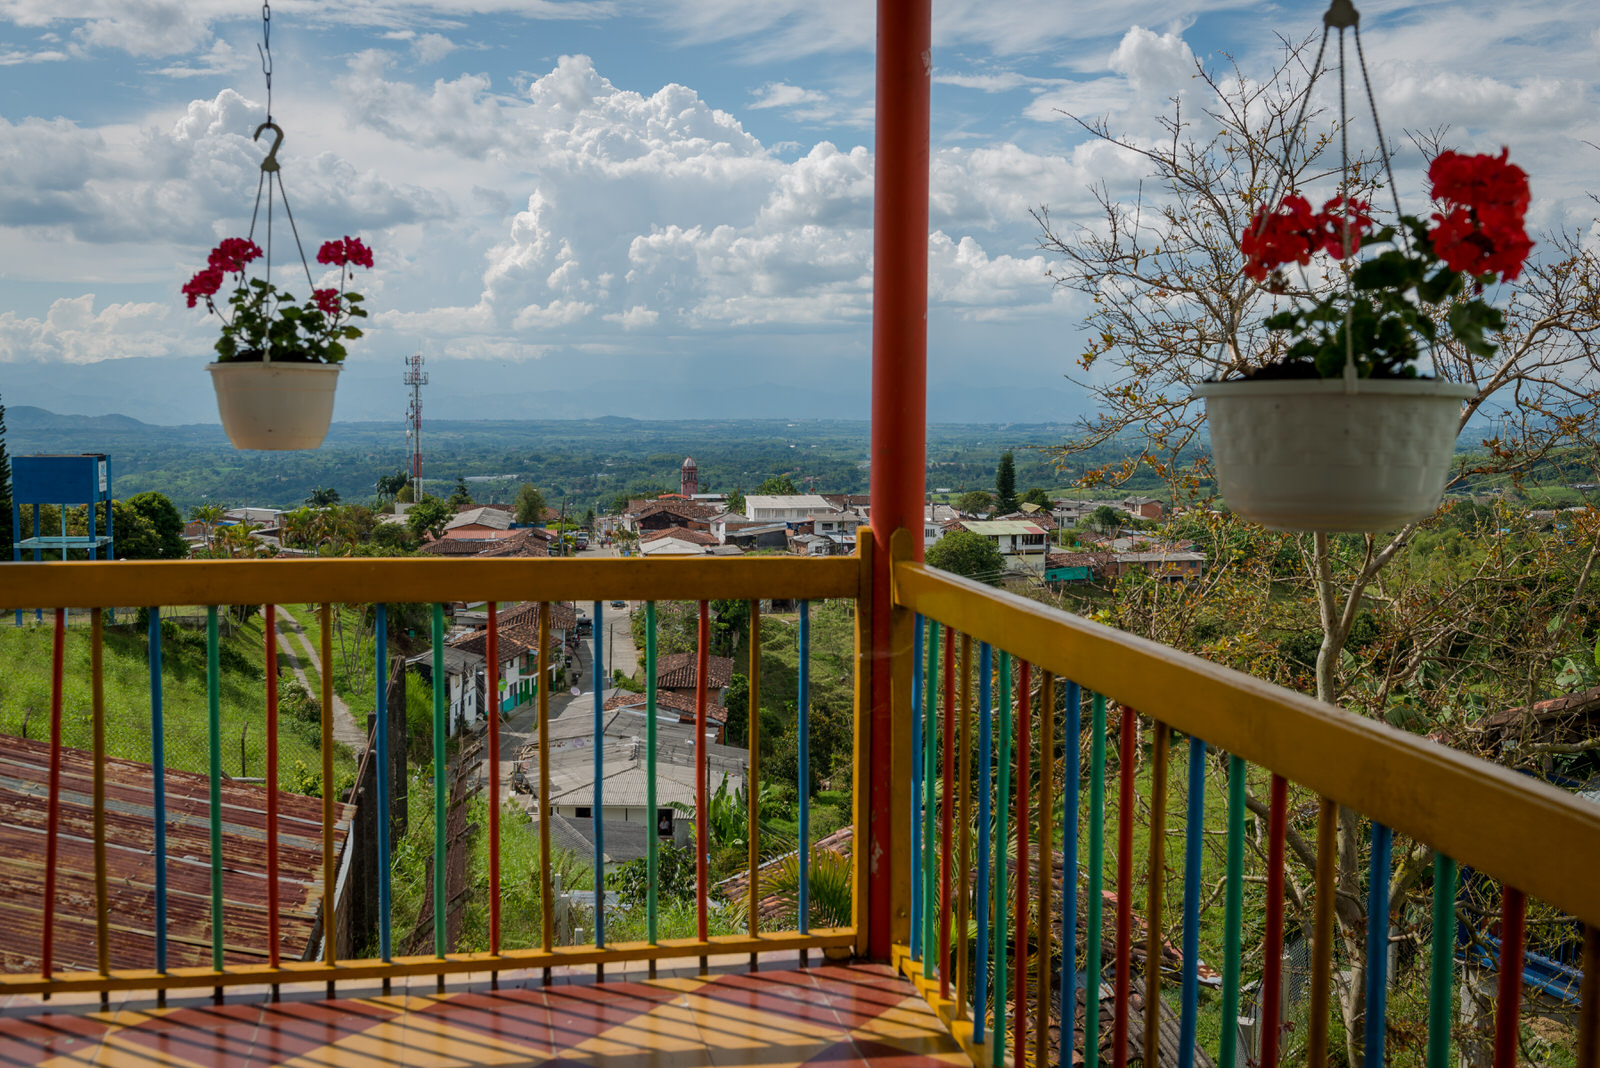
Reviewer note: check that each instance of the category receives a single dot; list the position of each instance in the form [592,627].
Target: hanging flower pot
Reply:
[1314,454]
[278,359]
[277,405]
[1339,432]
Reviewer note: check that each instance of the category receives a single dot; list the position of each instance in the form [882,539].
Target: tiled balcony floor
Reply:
[840,1015]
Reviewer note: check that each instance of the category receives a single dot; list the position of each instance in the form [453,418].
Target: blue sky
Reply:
[654,210]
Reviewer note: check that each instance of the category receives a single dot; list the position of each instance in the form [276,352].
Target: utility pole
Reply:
[561,532]
[416,378]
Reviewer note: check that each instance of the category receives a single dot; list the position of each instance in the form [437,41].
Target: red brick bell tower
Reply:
[691,477]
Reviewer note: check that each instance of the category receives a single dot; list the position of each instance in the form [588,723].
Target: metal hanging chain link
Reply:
[264,50]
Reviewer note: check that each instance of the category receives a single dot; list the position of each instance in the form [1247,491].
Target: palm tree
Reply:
[322,497]
[388,487]
[208,516]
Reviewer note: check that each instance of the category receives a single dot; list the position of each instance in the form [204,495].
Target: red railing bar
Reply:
[1019,993]
[53,812]
[1589,1000]
[272,784]
[947,812]
[493,711]
[1272,966]
[1508,996]
[702,806]
[1125,818]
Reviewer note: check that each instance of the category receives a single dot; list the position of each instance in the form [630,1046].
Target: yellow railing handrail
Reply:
[364,580]
[1522,832]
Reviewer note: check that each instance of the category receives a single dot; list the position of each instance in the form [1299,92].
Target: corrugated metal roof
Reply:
[130,862]
[1000,527]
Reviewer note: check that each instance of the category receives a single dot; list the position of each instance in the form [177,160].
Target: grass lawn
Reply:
[25,653]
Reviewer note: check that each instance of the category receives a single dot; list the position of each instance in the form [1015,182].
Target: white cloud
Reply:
[221,59]
[430,48]
[782,95]
[73,332]
[14,57]
[637,317]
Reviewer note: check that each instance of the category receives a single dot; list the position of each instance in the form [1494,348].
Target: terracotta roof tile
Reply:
[677,670]
[693,537]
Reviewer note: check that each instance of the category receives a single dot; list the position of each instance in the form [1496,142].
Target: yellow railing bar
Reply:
[95,584]
[1519,831]
[452,964]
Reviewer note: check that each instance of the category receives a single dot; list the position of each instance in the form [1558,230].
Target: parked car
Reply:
[619,604]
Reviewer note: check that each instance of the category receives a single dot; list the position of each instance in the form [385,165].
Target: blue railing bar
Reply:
[1378,943]
[1071,750]
[805,767]
[1194,831]
[158,770]
[381,677]
[980,904]
[916,787]
[598,811]
[930,776]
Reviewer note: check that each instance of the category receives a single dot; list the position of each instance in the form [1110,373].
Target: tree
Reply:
[428,517]
[1172,307]
[970,555]
[1105,518]
[208,516]
[1005,485]
[587,522]
[166,524]
[5,491]
[975,502]
[323,498]
[388,487]
[736,501]
[777,486]
[1037,496]
[529,505]
[461,496]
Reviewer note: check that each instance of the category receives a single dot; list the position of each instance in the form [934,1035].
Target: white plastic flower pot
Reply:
[275,405]
[1314,454]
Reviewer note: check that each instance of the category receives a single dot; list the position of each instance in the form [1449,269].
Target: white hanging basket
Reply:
[275,405]
[1314,454]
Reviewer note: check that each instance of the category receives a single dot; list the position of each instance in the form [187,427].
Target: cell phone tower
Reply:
[416,378]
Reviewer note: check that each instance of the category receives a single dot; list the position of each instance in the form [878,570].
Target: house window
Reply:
[582,812]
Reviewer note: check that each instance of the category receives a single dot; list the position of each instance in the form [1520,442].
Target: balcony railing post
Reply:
[899,446]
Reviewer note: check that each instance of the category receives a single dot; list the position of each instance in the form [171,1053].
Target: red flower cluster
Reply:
[233,253]
[205,283]
[1481,230]
[228,257]
[347,250]
[1291,232]
[327,300]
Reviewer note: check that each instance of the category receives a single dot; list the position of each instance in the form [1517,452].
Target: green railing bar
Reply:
[930,752]
[650,767]
[1444,938]
[1234,912]
[214,732]
[439,785]
[1001,844]
[1097,875]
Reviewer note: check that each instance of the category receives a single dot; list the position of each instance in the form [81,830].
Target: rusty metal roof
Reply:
[130,863]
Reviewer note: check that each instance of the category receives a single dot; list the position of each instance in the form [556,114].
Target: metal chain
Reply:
[1383,146]
[266,53]
[1294,133]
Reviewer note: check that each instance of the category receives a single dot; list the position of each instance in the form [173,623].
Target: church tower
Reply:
[691,477]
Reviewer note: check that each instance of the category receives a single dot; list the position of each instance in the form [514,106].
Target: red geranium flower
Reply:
[1288,234]
[1333,219]
[1493,245]
[233,253]
[327,300]
[1480,182]
[348,250]
[205,283]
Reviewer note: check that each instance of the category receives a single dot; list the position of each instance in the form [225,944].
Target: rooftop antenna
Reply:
[416,378]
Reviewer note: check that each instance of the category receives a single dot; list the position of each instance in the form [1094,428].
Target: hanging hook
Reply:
[271,162]
[1341,15]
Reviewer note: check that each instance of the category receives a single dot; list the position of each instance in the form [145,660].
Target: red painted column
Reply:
[899,382]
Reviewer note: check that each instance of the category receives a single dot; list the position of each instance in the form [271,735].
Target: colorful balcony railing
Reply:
[991,937]
[379,582]
[1075,677]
